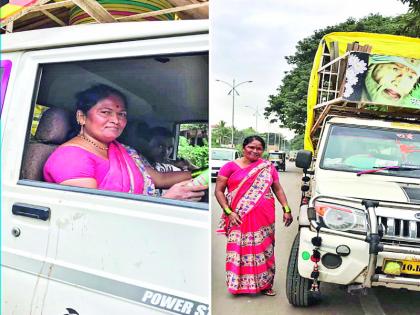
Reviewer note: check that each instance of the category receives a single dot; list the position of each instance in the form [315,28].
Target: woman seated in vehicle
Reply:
[161,144]
[94,159]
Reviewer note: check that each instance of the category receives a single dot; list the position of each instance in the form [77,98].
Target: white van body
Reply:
[219,157]
[95,252]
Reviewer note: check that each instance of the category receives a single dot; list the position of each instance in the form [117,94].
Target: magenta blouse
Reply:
[70,162]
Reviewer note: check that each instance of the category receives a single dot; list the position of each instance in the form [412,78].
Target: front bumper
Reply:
[354,267]
[364,264]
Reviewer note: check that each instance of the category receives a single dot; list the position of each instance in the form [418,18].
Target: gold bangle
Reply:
[227,210]
[286,209]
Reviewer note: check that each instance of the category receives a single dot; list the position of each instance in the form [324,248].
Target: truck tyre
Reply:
[298,288]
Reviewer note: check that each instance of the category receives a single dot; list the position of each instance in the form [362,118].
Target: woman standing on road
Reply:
[248,218]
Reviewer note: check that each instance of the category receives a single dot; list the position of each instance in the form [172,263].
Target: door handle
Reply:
[31,211]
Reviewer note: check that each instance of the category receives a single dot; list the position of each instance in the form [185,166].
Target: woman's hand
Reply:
[183,191]
[169,179]
[234,219]
[287,218]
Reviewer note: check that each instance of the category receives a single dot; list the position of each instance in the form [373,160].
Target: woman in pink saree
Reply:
[248,219]
[94,159]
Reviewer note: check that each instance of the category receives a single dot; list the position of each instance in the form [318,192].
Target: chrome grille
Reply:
[408,230]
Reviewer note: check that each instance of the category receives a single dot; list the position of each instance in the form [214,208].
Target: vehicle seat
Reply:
[53,129]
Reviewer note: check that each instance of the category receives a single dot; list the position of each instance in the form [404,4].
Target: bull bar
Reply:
[373,237]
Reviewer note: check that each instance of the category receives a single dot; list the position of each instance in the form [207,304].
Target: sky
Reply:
[249,40]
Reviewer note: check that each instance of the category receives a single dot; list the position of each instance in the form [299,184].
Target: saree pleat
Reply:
[123,174]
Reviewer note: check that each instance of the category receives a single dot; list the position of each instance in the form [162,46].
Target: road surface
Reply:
[336,301]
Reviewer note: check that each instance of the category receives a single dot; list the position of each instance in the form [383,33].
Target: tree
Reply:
[289,104]
[414,5]
[412,18]
[197,155]
[220,134]
[296,143]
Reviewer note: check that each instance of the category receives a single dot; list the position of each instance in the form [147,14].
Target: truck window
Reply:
[355,149]
[5,68]
[159,90]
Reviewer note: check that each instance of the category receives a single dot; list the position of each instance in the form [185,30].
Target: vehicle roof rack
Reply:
[37,14]
[330,99]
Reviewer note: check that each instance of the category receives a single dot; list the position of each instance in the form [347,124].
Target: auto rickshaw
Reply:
[278,158]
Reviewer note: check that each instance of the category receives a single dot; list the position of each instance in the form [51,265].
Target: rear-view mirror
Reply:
[303,159]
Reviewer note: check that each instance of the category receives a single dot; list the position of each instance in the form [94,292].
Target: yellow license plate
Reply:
[409,266]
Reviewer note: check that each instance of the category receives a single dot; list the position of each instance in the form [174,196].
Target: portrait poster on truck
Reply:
[380,79]
[375,69]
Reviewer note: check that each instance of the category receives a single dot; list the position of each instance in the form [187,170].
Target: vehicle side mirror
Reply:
[303,159]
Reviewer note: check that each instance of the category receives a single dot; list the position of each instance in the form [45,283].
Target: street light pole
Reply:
[233,110]
[233,90]
[256,113]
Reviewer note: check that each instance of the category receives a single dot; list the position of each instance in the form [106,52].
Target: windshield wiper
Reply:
[389,168]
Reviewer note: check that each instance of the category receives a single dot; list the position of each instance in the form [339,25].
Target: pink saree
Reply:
[123,171]
[250,264]
[123,175]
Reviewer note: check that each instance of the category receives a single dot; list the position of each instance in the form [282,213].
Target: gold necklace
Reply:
[93,143]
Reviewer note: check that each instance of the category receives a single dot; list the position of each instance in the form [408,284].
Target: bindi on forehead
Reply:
[114,100]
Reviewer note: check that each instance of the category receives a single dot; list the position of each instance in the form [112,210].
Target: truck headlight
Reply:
[341,218]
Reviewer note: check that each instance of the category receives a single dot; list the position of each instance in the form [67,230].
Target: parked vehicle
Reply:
[89,250]
[278,158]
[219,157]
[292,156]
[359,219]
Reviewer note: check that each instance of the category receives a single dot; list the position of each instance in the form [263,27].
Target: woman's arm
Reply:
[168,179]
[279,192]
[81,182]
[219,192]
[281,197]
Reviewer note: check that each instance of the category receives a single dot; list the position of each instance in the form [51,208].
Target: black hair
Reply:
[88,98]
[249,139]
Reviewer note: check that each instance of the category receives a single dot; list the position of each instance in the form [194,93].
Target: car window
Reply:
[193,144]
[157,90]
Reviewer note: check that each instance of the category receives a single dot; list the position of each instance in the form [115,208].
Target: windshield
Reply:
[225,155]
[356,149]
[275,156]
